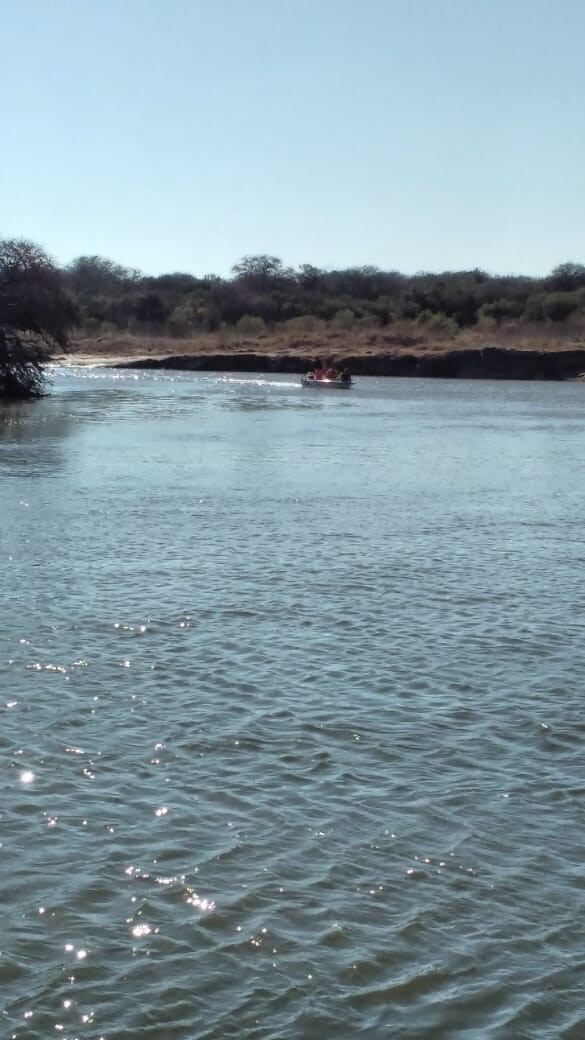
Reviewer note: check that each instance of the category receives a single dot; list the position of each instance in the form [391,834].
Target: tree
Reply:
[567,276]
[35,317]
[259,271]
[151,308]
[309,276]
[96,276]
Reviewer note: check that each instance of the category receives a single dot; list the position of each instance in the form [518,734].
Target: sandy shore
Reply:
[100,360]
[489,363]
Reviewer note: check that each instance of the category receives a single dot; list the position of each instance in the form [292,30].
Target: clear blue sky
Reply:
[182,134]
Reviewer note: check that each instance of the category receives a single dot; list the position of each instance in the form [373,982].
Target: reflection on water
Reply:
[290,692]
[29,437]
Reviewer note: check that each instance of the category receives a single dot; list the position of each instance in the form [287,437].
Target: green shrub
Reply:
[500,310]
[251,325]
[533,310]
[368,321]
[305,323]
[558,306]
[424,317]
[181,319]
[441,325]
[344,319]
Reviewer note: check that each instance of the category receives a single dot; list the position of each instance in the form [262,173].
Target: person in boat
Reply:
[332,373]
[319,371]
[345,376]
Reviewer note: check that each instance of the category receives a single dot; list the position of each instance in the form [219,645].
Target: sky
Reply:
[180,135]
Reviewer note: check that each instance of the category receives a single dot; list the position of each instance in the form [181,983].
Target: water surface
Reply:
[291,709]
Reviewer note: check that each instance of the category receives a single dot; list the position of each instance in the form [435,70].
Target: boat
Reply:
[325,384]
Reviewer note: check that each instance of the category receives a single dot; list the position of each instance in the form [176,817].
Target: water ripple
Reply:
[291,710]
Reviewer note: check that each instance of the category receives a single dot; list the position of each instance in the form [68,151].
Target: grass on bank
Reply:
[400,338]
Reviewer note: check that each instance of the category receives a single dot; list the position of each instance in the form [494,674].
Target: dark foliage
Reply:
[262,287]
[35,317]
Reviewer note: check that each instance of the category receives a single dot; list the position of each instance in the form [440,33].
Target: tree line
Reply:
[263,292]
[41,304]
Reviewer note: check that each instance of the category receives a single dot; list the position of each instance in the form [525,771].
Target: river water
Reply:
[291,710]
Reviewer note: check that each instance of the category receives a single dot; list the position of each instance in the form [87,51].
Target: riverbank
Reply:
[376,354]
[490,363]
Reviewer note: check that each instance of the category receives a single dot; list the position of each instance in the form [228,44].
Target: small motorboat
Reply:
[322,384]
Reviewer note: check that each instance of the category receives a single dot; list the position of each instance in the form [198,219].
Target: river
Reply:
[292,709]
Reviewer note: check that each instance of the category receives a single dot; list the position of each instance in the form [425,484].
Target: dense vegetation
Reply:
[36,314]
[263,293]
[40,304]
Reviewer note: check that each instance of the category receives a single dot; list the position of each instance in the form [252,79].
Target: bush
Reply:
[499,310]
[485,319]
[181,319]
[305,323]
[152,308]
[107,328]
[251,325]
[424,317]
[368,321]
[35,317]
[533,310]
[441,325]
[344,319]
[558,306]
